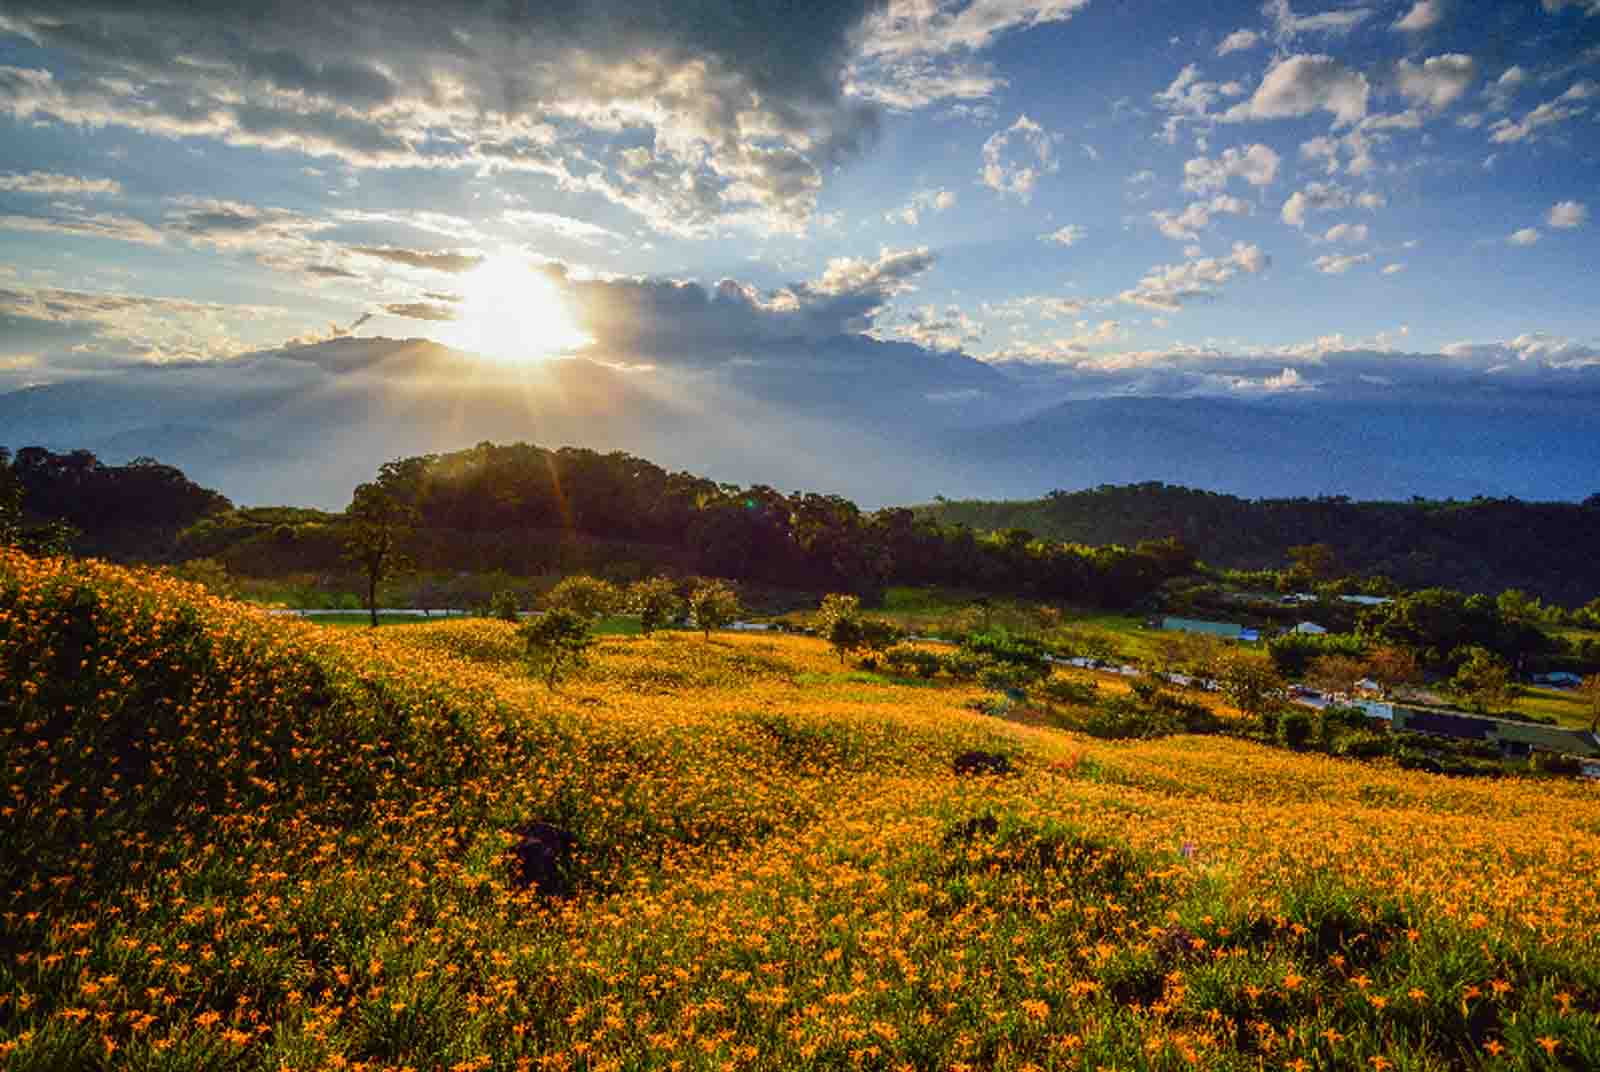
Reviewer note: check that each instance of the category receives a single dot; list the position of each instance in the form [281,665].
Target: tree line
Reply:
[1476,545]
[803,540]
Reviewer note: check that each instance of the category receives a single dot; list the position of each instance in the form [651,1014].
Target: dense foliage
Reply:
[528,509]
[126,511]
[1481,545]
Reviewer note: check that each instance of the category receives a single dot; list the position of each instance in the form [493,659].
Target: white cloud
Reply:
[1238,41]
[915,52]
[1502,89]
[1286,24]
[1438,81]
[943,330]
[1352,233]
[115,329]
[1185,226]
[555,223]
[1568,214]
[922,201]
[1588,7]
[1064,236]
[1424,15]
[1503,131]
[921,27]
[1169,287]
[1315,197]
[1338,264]
[1257,165]
[1371,201]
[45,182]
[1013,176]
[1189,99]
[1393,269]
[87,225]
[1527,236]
[1299,85]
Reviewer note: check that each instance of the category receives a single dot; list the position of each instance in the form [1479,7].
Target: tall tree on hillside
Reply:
[1484,681]
[714,605]
[379,518]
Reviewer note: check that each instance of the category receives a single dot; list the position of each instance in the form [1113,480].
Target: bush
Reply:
[907,660]
[503,605]
[1070,690]
[1296,728]
[1364,744]
[1124,718]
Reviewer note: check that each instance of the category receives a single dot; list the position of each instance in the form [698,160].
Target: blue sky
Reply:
[1092,197]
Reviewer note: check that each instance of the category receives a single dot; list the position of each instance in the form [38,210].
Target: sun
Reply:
[514,313]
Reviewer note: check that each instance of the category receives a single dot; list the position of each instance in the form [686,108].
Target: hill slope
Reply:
[239,842]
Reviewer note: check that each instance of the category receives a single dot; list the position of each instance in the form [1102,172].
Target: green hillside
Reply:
[235,842]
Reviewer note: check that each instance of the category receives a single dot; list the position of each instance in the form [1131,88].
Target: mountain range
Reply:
[879,422]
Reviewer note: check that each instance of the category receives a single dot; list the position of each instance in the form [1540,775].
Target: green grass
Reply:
[1568,706]
[362,619]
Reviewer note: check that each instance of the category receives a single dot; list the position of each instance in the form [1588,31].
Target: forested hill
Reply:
[1485,545]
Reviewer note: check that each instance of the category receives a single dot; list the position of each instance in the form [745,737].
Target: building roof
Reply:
[1196,625]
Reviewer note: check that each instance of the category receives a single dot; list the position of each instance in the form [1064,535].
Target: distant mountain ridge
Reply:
[879,422]
[1481,545]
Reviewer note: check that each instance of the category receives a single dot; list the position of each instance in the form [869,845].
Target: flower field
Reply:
[238,842]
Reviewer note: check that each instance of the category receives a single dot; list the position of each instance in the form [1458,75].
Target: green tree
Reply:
[1484,681]
[378,520]
[1392,666]
[1251,685]
[588,597]
[714,605]
[1336,673]
[878,635]
[839,623]
[556,642]
[655,600]
[503,605]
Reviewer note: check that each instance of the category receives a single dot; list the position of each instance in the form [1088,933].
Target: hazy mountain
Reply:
[878,421]
[1294,447]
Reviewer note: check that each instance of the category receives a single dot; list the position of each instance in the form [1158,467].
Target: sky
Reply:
[1089,198]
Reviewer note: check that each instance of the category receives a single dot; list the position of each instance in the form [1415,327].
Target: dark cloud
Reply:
[454,263]
[745,99]
[685,322]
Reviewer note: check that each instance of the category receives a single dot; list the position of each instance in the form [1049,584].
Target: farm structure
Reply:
[1513,737]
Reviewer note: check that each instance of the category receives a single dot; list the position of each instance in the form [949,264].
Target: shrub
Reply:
[556,642]
[1070,690]
[1364,744]
[503,605]
[905,660]
[1296,728]
[587,597]
[1124,718]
